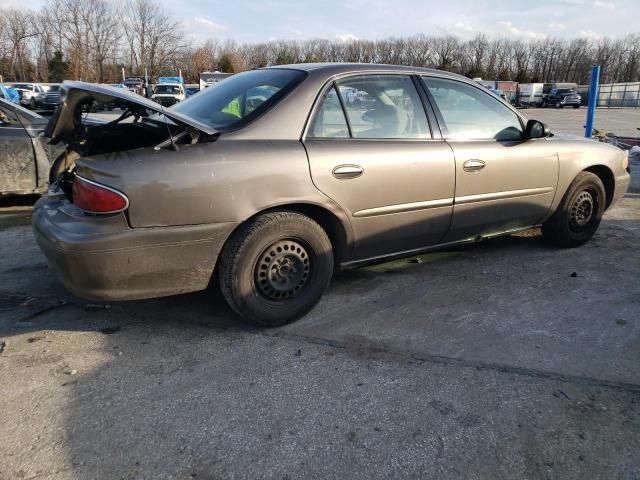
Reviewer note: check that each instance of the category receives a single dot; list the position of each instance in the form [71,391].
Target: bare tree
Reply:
[154,39]
[17,30]
[103,33]
[97,38]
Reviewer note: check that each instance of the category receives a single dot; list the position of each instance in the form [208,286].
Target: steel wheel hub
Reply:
[582,209]
[282,270]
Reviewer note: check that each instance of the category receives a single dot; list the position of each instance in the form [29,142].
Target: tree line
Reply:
[93,40]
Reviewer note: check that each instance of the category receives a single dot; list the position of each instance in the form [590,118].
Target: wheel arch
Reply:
[338,229]
[606,176]
[329,221]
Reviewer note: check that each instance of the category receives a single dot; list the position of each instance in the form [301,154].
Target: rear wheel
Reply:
[276,267]
[579,214]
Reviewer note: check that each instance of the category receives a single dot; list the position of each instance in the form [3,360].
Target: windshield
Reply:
[167,89]
[240,98]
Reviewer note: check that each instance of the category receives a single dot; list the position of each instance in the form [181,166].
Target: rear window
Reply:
[239,99]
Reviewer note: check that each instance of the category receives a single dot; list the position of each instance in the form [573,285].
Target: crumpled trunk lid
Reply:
[65,125]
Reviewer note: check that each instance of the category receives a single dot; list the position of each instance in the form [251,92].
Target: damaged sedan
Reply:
[27,161]
[271,180]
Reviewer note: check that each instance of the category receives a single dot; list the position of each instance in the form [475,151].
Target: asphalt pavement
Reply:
[509,359]
[502,360]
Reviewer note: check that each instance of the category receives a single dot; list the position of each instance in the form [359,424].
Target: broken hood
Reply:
[66,121]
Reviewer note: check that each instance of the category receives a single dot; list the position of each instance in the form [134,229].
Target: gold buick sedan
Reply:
[273,179]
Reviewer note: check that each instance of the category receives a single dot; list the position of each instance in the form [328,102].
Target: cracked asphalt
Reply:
[502,360]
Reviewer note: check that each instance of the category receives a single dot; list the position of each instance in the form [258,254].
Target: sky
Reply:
[257,21]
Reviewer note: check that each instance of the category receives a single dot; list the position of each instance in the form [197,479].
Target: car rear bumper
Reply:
[101,258]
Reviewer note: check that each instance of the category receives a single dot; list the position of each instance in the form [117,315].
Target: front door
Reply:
[503,181]
[381,164]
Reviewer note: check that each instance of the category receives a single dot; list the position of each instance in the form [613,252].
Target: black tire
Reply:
[558,105]
[275,268]
[579,214]
[576,106]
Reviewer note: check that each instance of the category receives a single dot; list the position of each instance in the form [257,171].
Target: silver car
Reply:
[26,158]
[270,181]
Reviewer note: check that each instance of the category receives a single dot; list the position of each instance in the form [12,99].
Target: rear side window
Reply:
[383,106]
[470,113]
[329,121]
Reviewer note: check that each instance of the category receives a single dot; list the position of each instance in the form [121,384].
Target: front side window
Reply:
[240,98]
[383,106]
[472,114]
[329,121]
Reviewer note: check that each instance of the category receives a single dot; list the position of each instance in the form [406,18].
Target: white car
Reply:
[167,94]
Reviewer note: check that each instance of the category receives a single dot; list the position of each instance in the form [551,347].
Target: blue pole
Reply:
[593,99]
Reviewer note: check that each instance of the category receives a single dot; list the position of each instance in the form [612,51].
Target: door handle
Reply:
[344,172]
[473,165]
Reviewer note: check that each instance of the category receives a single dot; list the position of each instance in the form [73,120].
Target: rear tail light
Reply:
[93,197]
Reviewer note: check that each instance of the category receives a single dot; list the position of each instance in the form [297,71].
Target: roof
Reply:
[337,68]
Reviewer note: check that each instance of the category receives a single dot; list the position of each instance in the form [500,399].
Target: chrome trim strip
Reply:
[404,207]
[100,185]
[487,197]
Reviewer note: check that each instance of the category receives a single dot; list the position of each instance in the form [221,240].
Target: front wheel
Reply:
[576,106]
[276,267]
[579,214]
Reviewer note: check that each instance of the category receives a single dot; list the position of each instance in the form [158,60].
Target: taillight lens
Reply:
[95,198]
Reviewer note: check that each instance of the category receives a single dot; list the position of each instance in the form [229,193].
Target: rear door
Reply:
[381,164]
[503,181]
[17,165]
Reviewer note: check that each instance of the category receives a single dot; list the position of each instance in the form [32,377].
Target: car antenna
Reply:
[175,147]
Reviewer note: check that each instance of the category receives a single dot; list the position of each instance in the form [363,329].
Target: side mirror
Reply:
[536,129]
